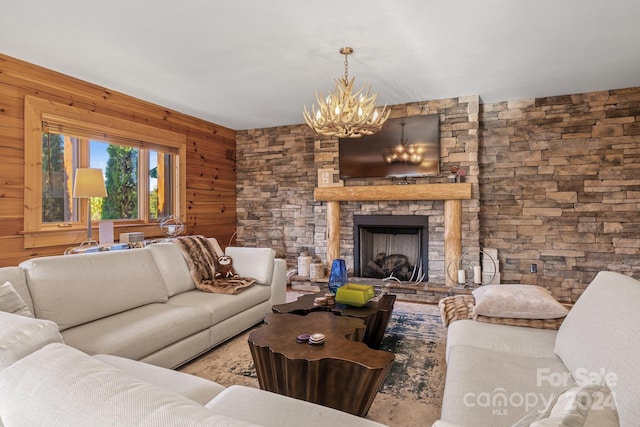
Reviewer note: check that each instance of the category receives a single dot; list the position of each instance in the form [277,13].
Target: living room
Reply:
[554,178]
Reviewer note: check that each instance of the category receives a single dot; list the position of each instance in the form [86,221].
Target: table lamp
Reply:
[89,182]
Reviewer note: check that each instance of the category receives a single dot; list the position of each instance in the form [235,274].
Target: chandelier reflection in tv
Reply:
[404,147]
[412,154]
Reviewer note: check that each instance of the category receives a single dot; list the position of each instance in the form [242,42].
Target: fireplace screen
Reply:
[391,247]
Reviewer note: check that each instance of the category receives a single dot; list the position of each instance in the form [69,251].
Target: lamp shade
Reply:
[89,182]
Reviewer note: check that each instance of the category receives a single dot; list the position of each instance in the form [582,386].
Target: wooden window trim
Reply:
[37,234]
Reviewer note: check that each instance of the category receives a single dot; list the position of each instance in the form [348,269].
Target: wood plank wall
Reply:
[211,168]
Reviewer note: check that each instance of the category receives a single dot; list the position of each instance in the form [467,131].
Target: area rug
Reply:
[412,392]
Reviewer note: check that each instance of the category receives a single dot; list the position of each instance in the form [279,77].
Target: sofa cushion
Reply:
[256,263]
[11,302]
[138,332]
[195,388]
[16,276]
[75,289]
[61,386]
[600,339]
[222,306]
[20,335]
[173,268]
[505,339]
[516,302]
[486,387]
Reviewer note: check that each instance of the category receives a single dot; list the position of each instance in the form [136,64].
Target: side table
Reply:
[342,373]
[375,314]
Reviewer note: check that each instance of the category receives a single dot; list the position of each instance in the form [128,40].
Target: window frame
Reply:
[39,234]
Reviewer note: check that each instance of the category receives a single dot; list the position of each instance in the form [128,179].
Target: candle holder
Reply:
[468,273]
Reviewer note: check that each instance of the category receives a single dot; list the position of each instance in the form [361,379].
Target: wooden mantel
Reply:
[452,194]
[459,191]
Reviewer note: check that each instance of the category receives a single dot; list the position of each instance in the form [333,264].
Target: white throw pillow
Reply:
[256,263]
[581,406]
[516,302]
[22,335]
[11,302]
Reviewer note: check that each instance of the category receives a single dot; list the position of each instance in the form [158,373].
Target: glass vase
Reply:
[338,275]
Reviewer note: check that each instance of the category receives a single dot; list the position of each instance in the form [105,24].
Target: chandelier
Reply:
[345,114]
[411,154]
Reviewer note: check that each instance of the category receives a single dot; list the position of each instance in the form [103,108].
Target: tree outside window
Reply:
[122,171]
[122,183]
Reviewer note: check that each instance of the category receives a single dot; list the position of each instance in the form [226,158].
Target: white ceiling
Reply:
[254,63]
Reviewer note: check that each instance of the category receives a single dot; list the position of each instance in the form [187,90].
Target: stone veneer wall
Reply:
[556,182]
[560,187]
[277,173]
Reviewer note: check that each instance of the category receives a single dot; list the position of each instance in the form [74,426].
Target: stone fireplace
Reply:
[391,247]
[451,194]
[281,206]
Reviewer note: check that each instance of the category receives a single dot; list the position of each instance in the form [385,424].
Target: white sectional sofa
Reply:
[587,373]
[100,316]
[142,304]
[44,382]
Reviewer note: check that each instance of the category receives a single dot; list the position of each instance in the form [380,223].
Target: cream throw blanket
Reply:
[202,259]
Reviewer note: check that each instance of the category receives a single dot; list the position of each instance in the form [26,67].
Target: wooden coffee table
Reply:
[342,373]
[375,314]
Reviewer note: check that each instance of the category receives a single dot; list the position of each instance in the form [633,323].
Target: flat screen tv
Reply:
[405,147]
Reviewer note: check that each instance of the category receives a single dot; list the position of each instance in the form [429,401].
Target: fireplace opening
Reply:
[391,247]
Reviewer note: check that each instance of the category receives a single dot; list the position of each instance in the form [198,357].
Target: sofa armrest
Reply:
[279,282]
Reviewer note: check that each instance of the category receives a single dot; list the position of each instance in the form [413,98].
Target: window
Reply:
[135,189]
[144,170]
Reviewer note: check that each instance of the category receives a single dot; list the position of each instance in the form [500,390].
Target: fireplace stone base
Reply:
[429,293]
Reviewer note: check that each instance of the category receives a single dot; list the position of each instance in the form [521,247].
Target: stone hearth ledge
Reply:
[422,292]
